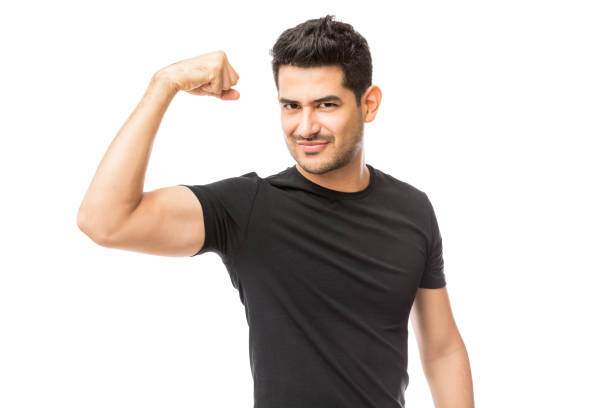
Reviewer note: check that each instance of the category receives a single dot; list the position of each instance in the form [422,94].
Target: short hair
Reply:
[321,42]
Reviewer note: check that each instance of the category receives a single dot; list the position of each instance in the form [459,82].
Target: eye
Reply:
[329,103]
[287,104]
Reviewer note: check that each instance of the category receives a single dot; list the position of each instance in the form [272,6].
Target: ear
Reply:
[370,102]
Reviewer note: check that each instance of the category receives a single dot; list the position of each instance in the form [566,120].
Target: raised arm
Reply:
[115,211]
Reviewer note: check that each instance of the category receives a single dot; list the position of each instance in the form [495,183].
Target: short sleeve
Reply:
[433,276]
[226,209]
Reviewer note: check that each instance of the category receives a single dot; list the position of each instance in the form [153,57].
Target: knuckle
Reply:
[221,55]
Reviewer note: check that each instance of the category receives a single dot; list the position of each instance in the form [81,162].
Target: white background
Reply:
[499,111]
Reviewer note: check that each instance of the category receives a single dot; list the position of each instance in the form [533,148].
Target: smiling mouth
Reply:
[313,147]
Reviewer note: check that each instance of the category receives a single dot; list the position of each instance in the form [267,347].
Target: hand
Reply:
[207,74]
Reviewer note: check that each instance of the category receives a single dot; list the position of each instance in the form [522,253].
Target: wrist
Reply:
[164,80]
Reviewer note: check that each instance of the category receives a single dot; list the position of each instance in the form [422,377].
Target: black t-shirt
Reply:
[327,279]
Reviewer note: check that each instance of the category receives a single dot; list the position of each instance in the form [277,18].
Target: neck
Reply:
[353,177]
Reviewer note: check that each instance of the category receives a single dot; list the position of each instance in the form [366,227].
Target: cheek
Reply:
[288,126]
[336,124]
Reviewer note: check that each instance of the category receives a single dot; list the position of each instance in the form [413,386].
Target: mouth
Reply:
[313,147]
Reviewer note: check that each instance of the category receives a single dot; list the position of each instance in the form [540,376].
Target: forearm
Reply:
[450,379]
[117,186]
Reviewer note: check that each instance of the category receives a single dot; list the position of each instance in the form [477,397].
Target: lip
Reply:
[313,147]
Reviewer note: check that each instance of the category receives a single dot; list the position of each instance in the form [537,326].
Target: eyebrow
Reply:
[323,99]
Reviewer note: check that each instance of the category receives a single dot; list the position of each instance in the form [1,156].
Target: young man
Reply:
[329,256]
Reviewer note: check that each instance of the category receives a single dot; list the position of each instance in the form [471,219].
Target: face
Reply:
[308,116]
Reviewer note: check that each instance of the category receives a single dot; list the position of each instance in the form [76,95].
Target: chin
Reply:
[316,166]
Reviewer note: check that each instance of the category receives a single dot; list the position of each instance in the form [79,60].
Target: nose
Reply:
[308,124]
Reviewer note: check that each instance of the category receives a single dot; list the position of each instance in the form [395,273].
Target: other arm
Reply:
[443,354]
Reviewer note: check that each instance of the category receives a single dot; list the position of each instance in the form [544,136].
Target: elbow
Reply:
[86,223]
[440,346]
[81,221]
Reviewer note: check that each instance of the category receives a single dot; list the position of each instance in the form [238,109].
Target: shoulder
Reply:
[233,191]
[247,180]
[398,186]
[279,177]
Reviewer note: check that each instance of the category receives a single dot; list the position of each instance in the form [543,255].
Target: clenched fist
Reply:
[206,74]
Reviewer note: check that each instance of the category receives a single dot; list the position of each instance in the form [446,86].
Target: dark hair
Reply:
[322,41]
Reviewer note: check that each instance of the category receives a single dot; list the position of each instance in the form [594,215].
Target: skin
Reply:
[341,165]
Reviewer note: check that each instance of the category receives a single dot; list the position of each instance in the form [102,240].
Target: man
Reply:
[329,256]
